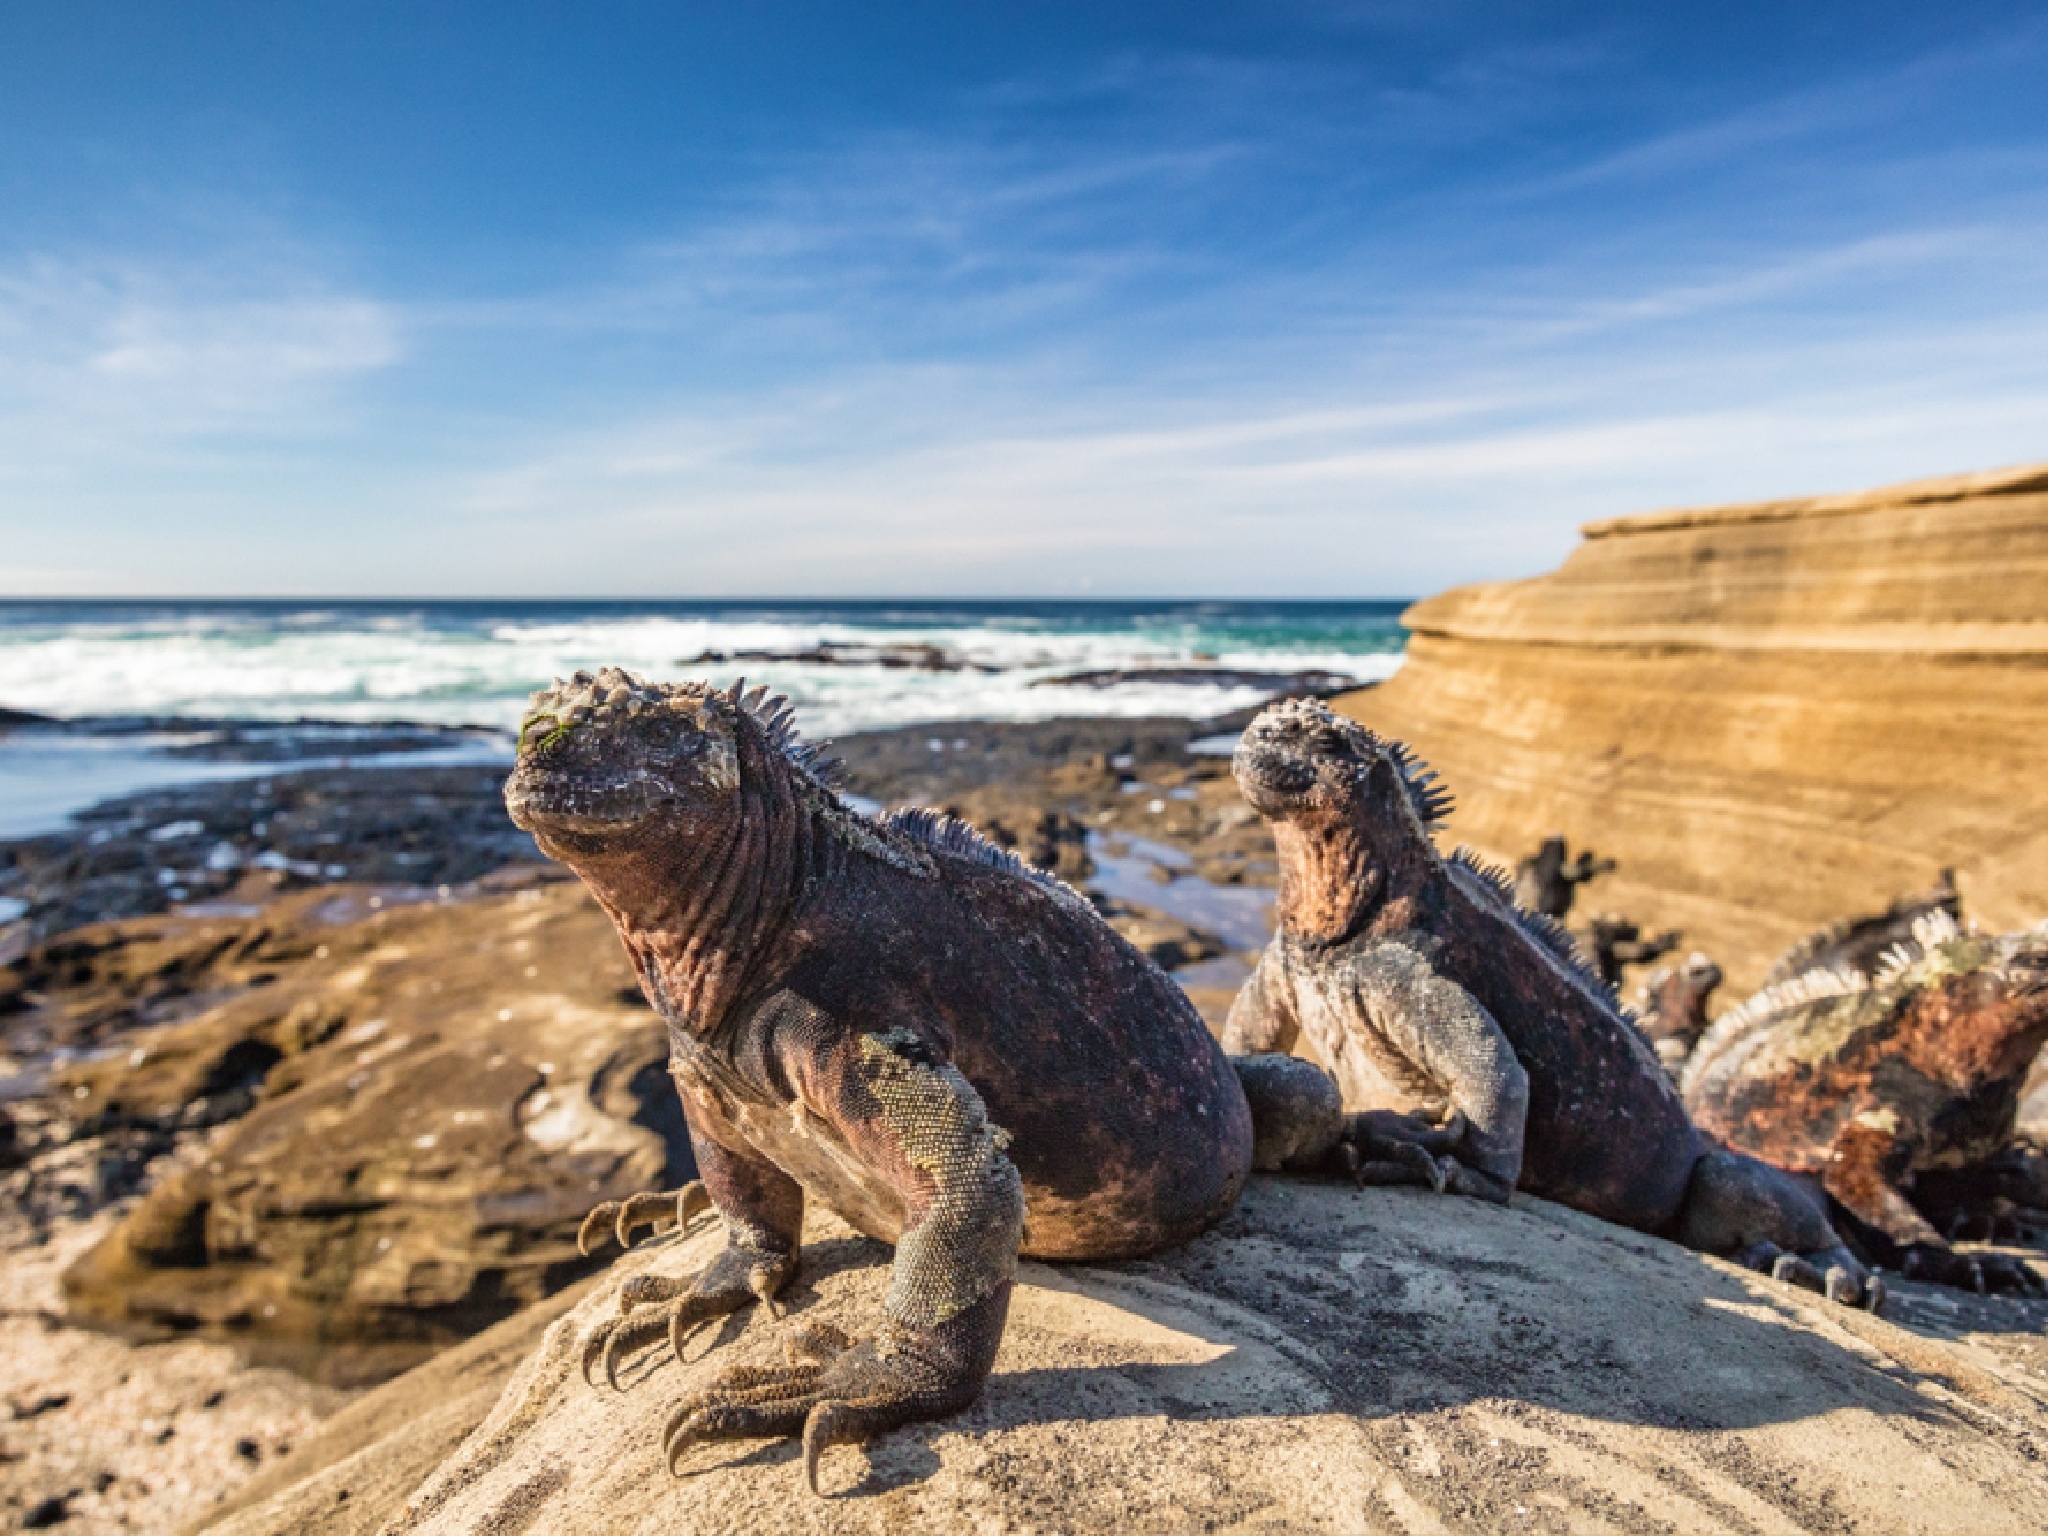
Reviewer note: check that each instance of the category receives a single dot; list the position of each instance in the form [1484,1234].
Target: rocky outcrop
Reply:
[1771,715]
[385,1137]
[1326,1360]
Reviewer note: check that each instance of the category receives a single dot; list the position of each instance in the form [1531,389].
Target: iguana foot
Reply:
[2002,1223]
[1834,1273]
[1985,1273]
[839,1391]
[735,1279]
[1385,1147]
[654,1210]
[1399,1163]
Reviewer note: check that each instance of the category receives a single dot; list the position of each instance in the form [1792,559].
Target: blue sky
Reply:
[1285,298]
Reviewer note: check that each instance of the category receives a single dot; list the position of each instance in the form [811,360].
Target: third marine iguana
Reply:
[950,1049]
[1415,972]
[1894,1081]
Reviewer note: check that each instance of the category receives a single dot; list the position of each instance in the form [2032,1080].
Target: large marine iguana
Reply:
[950,1049]
[1894,1085]
[1407,968]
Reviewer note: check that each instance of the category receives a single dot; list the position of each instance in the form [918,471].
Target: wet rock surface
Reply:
[910,655]
[238,844]
[1211,677]
[361,1133]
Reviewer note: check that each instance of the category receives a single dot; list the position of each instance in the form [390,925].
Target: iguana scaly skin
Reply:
[951,1050]
[1886,1082]
[1406,968]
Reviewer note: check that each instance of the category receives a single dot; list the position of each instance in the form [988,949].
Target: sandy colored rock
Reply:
[364,1460]
[1771,715]
[413,1117]
[1325,1361]
[125,1438]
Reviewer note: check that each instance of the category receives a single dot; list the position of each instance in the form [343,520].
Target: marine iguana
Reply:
[1547,881]
[1618,943]
[1675,1008]
[1889,1083]
[949,1048]
[1408,968]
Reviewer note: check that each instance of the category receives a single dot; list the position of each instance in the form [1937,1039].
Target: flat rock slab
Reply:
[1325,1361]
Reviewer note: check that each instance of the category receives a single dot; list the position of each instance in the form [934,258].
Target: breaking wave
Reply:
[848,667]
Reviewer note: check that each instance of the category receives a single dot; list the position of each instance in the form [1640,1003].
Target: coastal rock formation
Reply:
[1324,1360]
[408,1118]
[1770,715]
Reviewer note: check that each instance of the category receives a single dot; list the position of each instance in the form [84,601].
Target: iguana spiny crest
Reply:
[1940,947]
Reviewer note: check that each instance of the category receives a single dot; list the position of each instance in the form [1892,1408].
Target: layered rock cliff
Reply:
[1771,715]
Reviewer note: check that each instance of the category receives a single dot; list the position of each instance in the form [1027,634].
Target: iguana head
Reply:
[608,759]
[1347,809]
[1675,999]
[1300,761]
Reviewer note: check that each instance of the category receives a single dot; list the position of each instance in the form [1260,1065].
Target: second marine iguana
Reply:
[1416,971]
[950,1049]
[1895,1085]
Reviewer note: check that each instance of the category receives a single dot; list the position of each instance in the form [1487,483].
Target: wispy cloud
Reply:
[165,350]
[1172,321]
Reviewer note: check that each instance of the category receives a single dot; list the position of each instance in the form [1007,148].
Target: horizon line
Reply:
[751,598]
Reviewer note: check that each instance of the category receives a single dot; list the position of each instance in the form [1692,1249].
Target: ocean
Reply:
[847,666]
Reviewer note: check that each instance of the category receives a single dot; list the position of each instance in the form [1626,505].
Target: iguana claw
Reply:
[651,1209]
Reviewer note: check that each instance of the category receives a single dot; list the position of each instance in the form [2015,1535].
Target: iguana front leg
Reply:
[1292,1126]
[909,1114]
[763,1211]
[1261,1015]
[1442,1032]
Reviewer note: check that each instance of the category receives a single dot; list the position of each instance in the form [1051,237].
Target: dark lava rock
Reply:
[240,843]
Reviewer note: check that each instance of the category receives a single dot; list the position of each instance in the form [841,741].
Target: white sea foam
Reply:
[420,665]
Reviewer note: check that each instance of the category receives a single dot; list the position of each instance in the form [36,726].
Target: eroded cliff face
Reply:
[1772,715]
